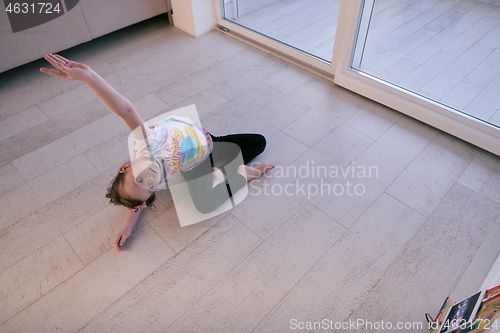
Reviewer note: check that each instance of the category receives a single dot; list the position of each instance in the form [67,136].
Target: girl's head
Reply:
[128,191]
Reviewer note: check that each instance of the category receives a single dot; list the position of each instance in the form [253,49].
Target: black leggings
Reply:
[226,150]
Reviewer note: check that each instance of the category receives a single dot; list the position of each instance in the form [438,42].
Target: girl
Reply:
[175,145]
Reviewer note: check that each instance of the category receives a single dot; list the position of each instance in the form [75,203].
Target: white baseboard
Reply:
[195,30]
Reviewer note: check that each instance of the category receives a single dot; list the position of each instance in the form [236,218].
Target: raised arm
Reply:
[72,70]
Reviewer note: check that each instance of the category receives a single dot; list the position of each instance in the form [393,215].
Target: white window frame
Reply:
[446,119]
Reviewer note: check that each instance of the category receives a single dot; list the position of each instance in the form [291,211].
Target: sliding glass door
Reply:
[435,60]
[446,51]
[438,61]
[303,29]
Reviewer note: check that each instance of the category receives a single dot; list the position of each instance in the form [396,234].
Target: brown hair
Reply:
[116,198]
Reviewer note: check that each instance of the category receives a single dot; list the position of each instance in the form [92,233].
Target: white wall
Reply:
[196,17]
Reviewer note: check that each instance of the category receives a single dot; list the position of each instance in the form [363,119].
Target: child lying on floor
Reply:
[174,145]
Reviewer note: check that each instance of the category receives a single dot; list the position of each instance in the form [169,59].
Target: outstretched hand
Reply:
[120,239]
[66,69]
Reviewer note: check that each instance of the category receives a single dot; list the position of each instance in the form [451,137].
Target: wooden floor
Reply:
[420,220]
[445,50]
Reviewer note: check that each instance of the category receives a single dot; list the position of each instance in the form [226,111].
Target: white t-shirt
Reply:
[177,143]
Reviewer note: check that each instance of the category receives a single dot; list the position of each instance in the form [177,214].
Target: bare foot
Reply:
[251,173]
[217,177]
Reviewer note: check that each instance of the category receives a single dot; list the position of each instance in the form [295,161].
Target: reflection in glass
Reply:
[445,50]
[307,25]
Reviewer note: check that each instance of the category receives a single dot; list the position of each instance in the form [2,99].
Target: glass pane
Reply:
[307,25]
[444,50]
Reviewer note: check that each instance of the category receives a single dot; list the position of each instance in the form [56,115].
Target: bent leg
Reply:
[229,152]
[251,145]
[205,196]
